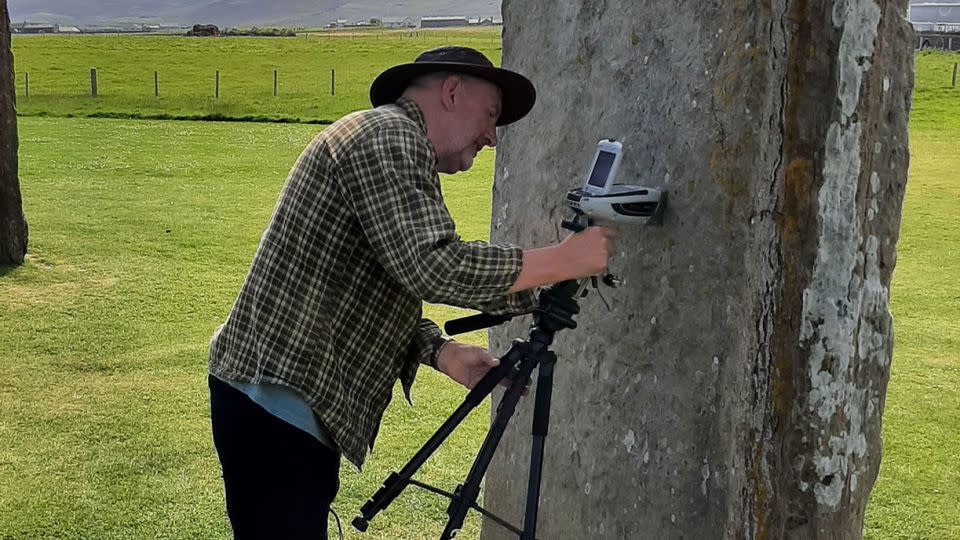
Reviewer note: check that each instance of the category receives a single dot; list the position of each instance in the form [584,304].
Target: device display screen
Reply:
[601,170]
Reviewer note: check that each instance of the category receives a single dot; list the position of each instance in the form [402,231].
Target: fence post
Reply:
[333,76]
[93,82]
[216,84]
[156,84]
[274,82]
[26,84]
[954,83]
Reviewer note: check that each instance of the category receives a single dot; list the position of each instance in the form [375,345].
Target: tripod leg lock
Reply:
[391,487]
[360,524]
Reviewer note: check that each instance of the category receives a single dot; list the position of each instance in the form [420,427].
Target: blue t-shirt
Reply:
[287,405]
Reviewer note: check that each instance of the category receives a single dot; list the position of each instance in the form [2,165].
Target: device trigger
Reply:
[611,280]
[572,225]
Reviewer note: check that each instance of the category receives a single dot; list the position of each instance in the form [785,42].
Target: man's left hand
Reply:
[466,364]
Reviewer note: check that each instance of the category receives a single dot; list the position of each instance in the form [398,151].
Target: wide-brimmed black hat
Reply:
[518,93]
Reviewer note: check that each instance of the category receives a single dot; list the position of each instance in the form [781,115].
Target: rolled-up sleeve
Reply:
[395,195]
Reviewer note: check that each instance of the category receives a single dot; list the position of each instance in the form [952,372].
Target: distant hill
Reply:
[239,12]
[249,12]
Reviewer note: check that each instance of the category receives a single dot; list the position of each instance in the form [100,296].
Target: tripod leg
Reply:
[466,495]
[397,482]
[541,425]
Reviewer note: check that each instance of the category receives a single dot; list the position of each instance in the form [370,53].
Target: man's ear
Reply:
[450,92]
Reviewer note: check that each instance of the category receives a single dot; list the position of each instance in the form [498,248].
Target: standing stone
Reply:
[13,226]
[735,388]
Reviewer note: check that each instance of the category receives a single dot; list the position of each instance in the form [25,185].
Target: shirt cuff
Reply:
[426,342]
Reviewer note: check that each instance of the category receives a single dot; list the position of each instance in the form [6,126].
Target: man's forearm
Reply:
[580,255]
[540,267]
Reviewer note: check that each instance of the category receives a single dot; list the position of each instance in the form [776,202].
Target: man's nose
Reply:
[490,137]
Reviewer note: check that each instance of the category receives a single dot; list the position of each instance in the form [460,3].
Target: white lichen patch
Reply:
[875,297]
[629,441]
[859,20]
[705,474]
[873,209]
[841,308]
[501,213]
[830,316]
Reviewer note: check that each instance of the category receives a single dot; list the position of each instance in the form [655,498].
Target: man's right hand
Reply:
[579,255]
[585,253]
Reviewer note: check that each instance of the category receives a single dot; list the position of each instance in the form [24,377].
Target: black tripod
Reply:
[557,306]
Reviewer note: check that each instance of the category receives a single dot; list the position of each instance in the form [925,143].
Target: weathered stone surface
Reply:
[13,226]
[736,388]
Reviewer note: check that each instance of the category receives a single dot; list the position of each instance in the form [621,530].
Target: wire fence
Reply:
[62,79]
[316,76]
[274,82]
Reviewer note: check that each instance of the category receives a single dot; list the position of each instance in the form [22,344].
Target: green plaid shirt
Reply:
[359,238]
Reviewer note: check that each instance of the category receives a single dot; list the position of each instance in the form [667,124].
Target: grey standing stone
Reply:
[735,389]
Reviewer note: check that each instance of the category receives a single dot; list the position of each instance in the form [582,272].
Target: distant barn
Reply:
[443,22]
[398,22]
[35,28]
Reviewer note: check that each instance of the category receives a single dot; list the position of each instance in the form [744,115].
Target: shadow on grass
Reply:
[209,117]
[7,269]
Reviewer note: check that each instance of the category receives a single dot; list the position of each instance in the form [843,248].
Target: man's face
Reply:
[472,124]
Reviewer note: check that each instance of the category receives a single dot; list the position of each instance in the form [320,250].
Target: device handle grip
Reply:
[474,322]
[573,225]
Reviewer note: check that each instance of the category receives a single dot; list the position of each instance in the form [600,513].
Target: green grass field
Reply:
[917,494]
[59,72]
[142,231]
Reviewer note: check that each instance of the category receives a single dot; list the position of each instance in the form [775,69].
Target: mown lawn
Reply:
[917,494]
[141,233]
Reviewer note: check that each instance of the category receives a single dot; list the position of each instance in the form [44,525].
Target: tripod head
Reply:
[557,305]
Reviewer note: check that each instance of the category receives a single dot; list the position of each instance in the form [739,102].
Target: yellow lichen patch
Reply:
[798,181]
[725,170]
[728,91]
[759,492]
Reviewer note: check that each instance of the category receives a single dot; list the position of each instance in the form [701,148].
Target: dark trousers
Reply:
[279,480]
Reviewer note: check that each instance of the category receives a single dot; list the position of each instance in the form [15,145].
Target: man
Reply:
[329,316]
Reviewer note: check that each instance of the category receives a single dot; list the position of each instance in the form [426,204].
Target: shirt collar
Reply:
[412,111]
